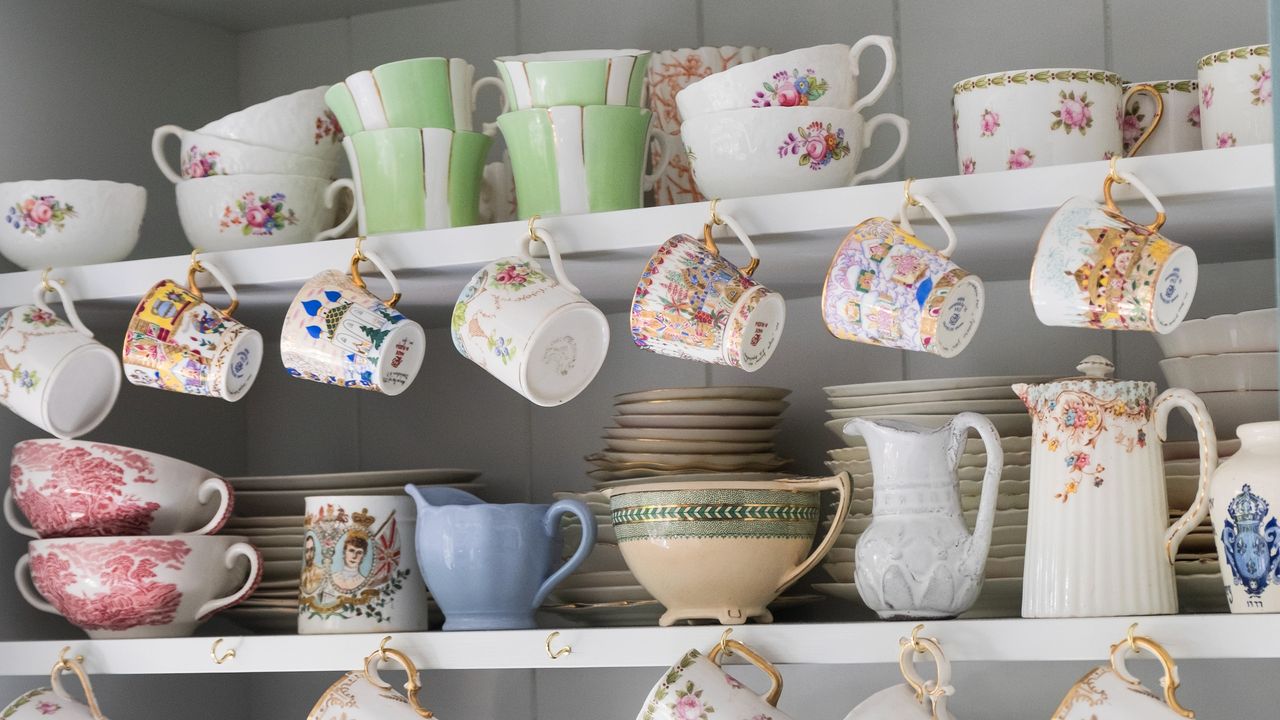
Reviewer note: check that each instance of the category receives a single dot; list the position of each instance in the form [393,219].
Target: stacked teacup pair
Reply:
[123,539]
[416,161]
[577,130]
[257,177]
[786,123]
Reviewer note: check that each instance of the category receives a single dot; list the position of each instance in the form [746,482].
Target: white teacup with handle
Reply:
[203,155]
[363,693]
[1113,693]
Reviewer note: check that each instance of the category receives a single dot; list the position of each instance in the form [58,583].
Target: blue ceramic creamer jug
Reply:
[488,565]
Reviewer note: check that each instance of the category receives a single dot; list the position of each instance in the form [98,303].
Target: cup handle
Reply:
[376,259]
[1145,89]
[226,497]
[250,584]
[27,588]
[489,128]
[1208,441]
[936,690]
[157,150]
[71,665]
[330,197]
[1170,682]
[203,265]
[727,645]
[843,486]
[910,200]
[670,145]
[551,525]
[556,263]
[895,120]
[1128,178]
[11,515]
[885,43]
[980,538]
[57,288]
[736,227]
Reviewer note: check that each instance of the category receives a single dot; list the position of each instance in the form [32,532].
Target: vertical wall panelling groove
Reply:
[1108,49]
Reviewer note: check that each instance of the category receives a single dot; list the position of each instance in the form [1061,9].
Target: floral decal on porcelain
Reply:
[259,215]
[968,166]
[1206,96]
[816,144]
[1073,113]
[351,564]
[1251,542]
[197,163]
[1226,139]
[38,214]
[125,593]
[39,316]
[1193,117]
[1020,158]
[77,491]
[327,128]
[515,276]
[683,701]
[1261,90]
[790,89]
[1132,127]
[988,123]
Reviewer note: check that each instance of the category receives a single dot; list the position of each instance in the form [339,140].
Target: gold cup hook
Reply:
[1129,636]
[224,657]
[359,257]
[196,267]
[557,654]
[45,285]
[413,686]
[715,216]
[906,193]
[533,228]
[727,647]
[73,665]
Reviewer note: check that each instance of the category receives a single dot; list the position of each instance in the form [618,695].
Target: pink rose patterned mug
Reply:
[70,488]
[1235,97]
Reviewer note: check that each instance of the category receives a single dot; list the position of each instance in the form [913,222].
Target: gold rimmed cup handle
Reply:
[710,242]
[1170,682]
[1143,89]
[775,678]
[413,686]
[73,666]
[198,266]
[362,255]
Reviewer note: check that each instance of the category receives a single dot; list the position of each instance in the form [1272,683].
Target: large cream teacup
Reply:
[763,151]
[233,212]
[298,123]
[723,549]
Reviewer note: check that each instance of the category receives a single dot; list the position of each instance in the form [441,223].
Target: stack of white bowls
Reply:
[676,431]
[786,123]
[260,176]
[1230,361]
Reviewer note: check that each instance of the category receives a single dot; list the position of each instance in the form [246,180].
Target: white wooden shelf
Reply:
[1185,636]
[1219,201]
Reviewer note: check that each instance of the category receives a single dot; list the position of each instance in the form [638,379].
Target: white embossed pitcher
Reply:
[917,559]
[1099,541]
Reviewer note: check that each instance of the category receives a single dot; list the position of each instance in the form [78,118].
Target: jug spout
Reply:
[1020,389]
[427,497]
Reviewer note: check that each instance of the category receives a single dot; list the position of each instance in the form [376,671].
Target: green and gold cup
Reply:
[574,77]
[569,160]
[430,92]
[409,179]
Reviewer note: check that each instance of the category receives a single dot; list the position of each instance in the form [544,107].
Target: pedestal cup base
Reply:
[725,616]
[490,621]
[914,615]
[401,358]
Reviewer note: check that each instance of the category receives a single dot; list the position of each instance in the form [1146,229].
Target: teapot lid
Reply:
[1095,367]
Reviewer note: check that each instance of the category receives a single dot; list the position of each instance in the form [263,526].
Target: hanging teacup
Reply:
[1112,693]
[55,700]
[917,697]
[364,694]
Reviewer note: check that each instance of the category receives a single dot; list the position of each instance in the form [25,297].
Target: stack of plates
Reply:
[269,511]
[1231,362]
[669,431]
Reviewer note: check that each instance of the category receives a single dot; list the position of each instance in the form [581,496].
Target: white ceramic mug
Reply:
[205,155]
[336,332]
[1113,693]
[55,700]
[298,123]
[359,569]
[1033,118]
[53,374]
[138,587]
[1235,97]
[823,75]
[1179,128]
[917,698]
[696,683]
[1096,268]
[56,223]
[737,153]
[364,694]
[233,212]
[73,488]
[533,331]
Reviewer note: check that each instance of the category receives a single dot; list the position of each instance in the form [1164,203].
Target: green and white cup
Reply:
[574,77]
[569,160]
[407,179]
[430,92]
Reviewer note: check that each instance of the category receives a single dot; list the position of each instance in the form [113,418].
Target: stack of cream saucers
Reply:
[932,403]
[672,431]
[269,511]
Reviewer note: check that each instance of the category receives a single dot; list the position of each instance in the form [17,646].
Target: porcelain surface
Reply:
[1235,97]
[233,212]
[202,155]
[1244,504]
[60,223]
[298,123]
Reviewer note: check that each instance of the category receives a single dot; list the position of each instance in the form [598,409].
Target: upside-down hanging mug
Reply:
[693,303]
[363,693]
[55,700]
[696,684]
[338,333]
[53,374]
[917,699]
[177,341]
[1096,268]
[533,331]
[1113,693]
[886,287]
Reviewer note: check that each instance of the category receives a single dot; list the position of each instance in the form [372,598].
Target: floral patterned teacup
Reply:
[232,212]
[1033,118]
[532,330]
[53,374]
[1096,268]
[57,223]
[693,303]
[205,155]
[1235,97]
[69,488]
[336,332]
[670,72]
[1179,129]
[696,687]
[886,287]
[178,342]
[824,75]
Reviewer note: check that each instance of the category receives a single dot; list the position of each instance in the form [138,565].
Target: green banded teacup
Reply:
[409,179]
[430,92]
[575,77]
[569,160]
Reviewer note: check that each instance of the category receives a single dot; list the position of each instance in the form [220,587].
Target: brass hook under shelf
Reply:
[224,657]
[557,654]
